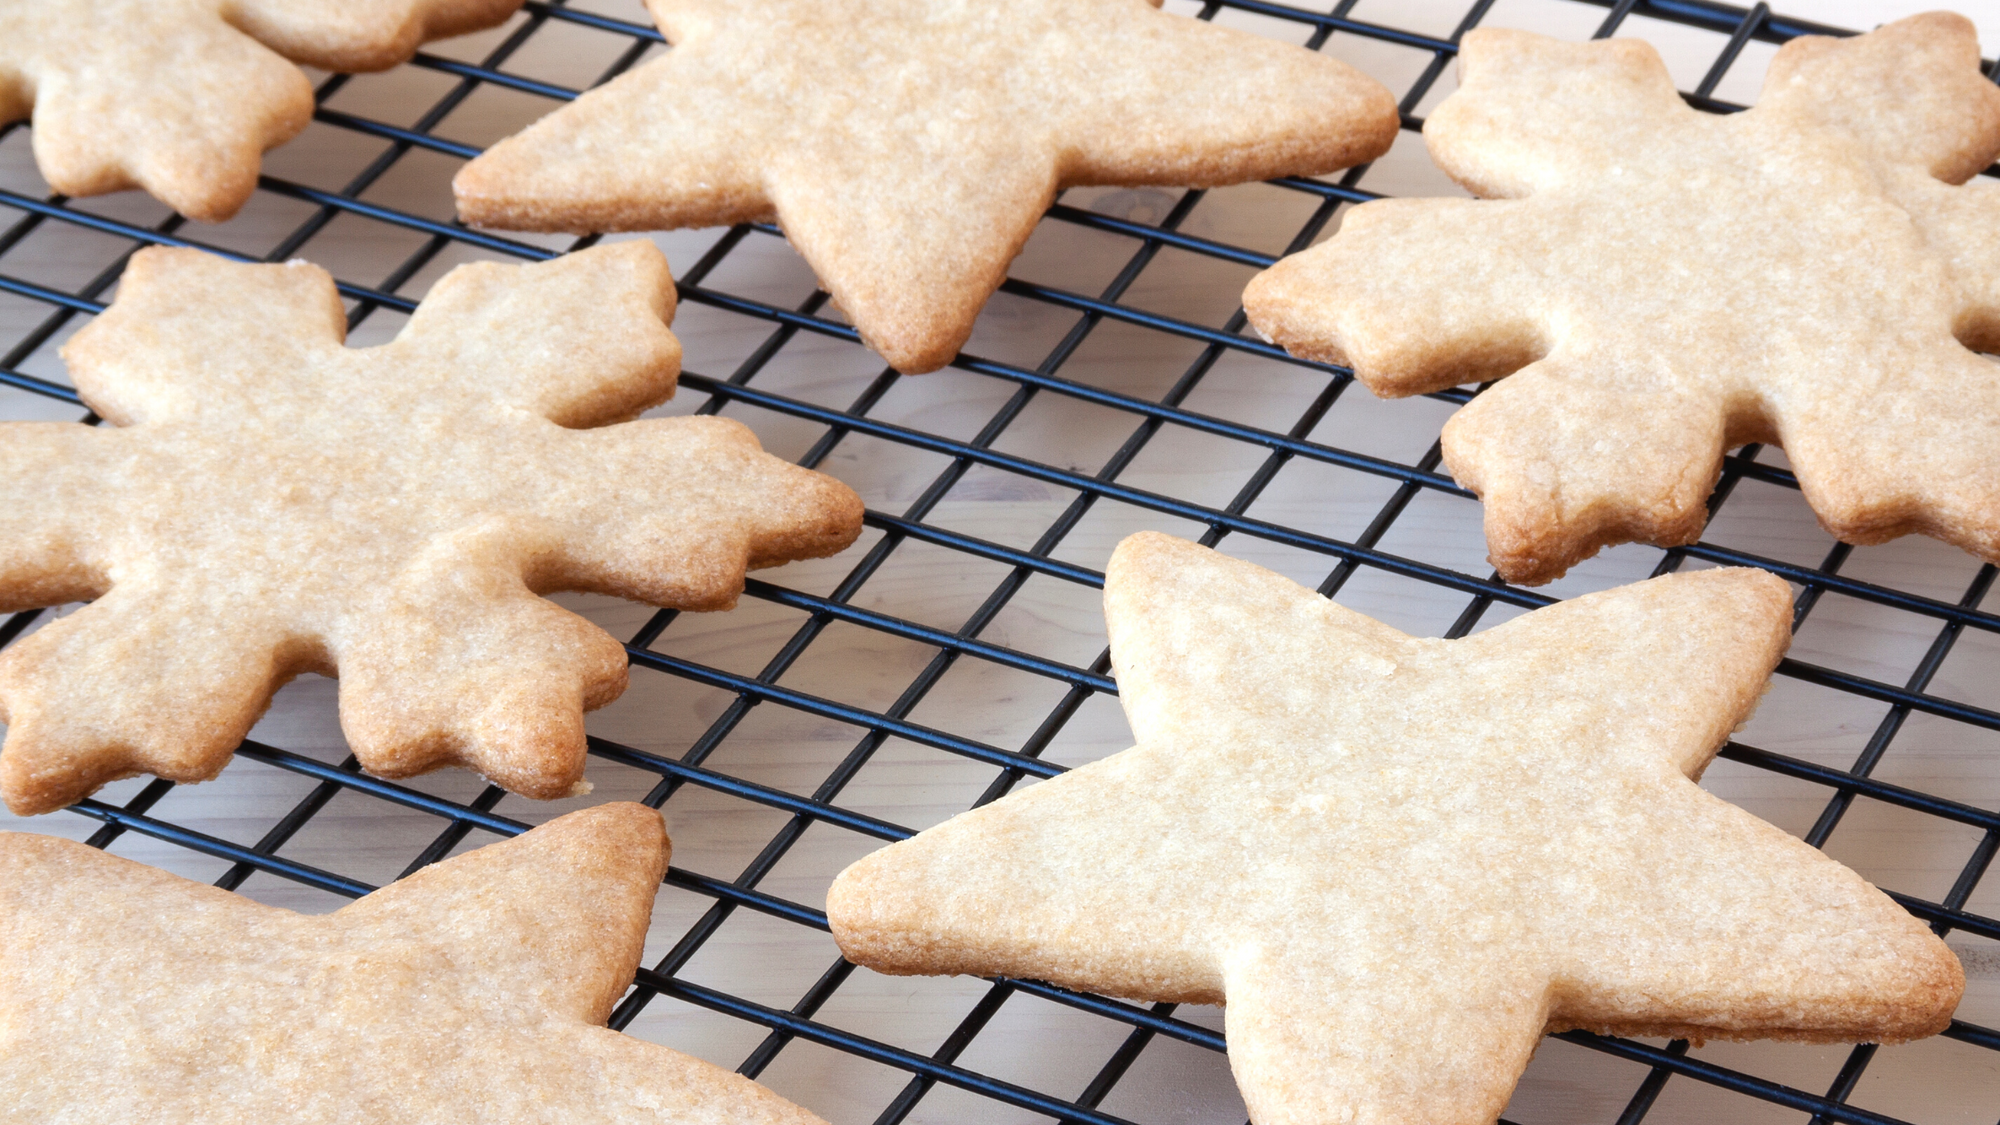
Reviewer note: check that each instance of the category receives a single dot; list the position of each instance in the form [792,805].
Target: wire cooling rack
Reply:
[956,653]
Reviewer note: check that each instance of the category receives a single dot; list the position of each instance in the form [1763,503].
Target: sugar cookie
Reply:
[269,502]
[181,97]
[1402,860]
[1671,284]
[909,146]
[473,991]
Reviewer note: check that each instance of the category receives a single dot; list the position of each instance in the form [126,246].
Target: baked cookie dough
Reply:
[1402,860]
[182,97]
[475,990]
[1658,285]
[908,147]
[267,502]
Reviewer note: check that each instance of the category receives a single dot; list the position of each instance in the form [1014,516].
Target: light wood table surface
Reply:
[1034,1042]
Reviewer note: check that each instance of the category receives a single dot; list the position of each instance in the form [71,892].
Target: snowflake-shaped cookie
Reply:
[272,502]
[181,97]
[1671,284]
[909,146]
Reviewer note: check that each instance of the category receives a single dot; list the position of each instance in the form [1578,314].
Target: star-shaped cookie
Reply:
[909,146]
[1670,284]
[473,991]
[1401,859]
[269,502]
[182,97]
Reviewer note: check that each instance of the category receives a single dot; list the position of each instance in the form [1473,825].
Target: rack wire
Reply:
[1031,390]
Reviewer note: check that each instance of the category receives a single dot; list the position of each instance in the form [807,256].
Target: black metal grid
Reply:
[1146,417]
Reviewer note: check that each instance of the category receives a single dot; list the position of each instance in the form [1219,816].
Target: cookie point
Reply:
[630,814]
[854,914]
[1951,23]
[628,825]
[1133,550]
[913,357]
[1747,583]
